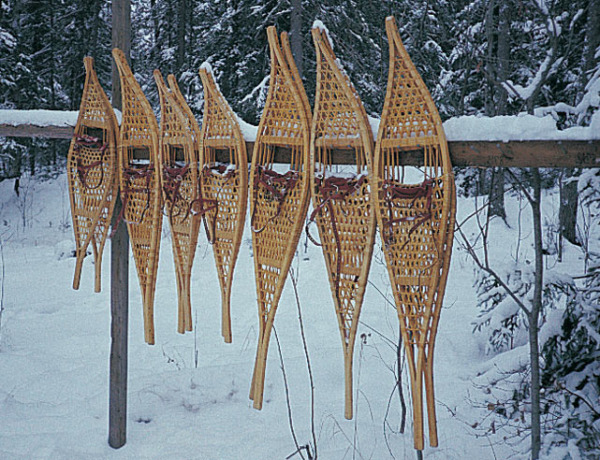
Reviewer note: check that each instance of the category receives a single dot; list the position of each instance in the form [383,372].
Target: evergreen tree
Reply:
[87,32]
[571,375]
[8,56]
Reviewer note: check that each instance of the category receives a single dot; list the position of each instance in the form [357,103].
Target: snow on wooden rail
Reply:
[516,141]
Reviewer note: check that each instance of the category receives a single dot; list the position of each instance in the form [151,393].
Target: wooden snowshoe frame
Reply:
[191,119]
[278,202]
[342,206]
[416,220]
[179,177]
[92,173]
[224,188]
[140,184]
[194,130]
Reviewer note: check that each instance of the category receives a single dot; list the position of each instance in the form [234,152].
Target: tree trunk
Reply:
[181,25]
[52,57]
[32,154]
[498,55]
[592,39]
[534,315]
[503,57]
[483,187]
[567,212]
[119,263]
[496,194]
[156,48]
[490,32]
[296,34]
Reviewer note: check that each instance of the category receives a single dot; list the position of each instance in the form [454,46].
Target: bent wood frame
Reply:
[194,131]
[346,224]
[278,208]
[140,185]
[91,173]
[416,221]
[224,187]
[179,176]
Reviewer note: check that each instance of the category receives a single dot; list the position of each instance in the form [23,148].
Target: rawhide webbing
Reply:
[131,174]
[334,189]
[173,177]
[392,191]
[202,206]
[278,185]
[83,170]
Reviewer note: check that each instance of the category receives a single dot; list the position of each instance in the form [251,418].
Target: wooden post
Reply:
[119,260]
[296,35]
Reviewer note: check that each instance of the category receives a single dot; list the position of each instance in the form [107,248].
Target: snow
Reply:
[591,98]
[38,117]
[248,131]
[188,394]
[206,66]
[54,349]
[340,174]
[374,123]
[521,127]
[318,24]
[59,118]
[551,327]
[261,89]
[7,39]
[542,6]
[527,91]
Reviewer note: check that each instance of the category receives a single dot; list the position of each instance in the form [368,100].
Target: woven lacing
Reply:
[393,191]
[83,170]
[278,186]
[130,175]
[334,189]
[201,206]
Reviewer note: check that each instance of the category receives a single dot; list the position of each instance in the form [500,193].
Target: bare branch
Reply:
[581,398]
[310,375]
[287,397]
[491,272]
[518,183]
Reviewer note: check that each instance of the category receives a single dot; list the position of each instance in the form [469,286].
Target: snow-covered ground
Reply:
[188,394]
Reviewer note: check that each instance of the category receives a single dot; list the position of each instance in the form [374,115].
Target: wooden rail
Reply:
[50,132]
[518,154]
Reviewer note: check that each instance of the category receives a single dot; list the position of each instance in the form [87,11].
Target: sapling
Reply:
[310,449]
[531,306]
[2,277]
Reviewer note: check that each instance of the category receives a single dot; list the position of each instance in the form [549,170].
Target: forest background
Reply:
[480,57]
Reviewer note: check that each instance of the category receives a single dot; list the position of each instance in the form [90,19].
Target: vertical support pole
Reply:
[119,261]
[119,310]
[296,35]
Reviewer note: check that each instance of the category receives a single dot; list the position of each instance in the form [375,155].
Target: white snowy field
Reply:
[188,394]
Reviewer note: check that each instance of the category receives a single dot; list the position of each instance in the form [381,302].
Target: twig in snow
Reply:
[490,271]
[585,401]
[382,294]
[1,286]
[287,398]
[387,339]
[363,341]
[310,375]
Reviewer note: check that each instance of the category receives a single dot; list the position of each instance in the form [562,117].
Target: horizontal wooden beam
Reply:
[50,132]
[522,154]
[517,154]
